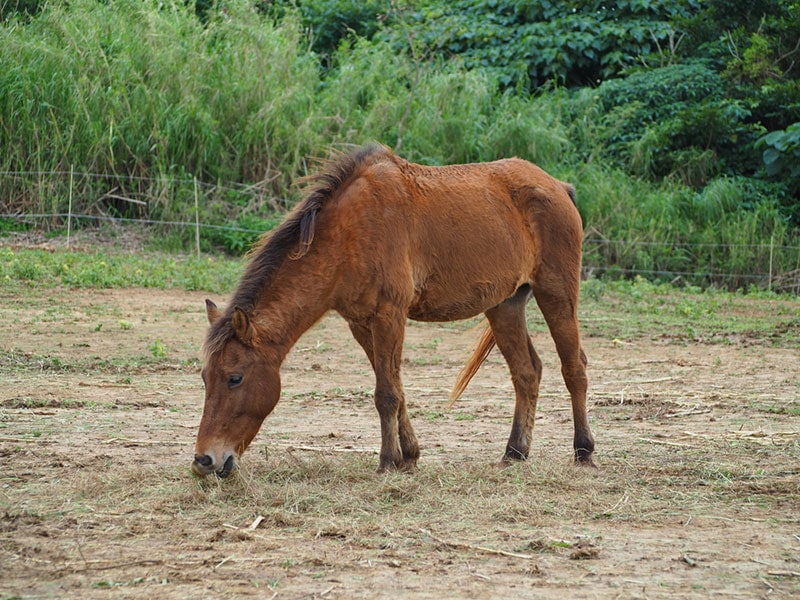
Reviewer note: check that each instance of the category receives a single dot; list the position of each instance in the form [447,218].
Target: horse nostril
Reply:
[204,460]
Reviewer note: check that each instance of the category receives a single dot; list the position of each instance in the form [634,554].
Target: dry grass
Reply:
[697,494]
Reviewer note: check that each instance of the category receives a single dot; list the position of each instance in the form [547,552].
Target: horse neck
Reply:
[297,298]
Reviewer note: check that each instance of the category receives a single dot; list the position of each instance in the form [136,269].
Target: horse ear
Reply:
[212,311]
[242,326]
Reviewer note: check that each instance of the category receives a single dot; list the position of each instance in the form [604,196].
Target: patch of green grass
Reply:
[432,344]
[108,583]
[622,309]
[464,416]
[10,225]
[431,415]
[791,408]
[39,268]
[629,309]
[321,346]
[426,361]
[17,361]
[28,402]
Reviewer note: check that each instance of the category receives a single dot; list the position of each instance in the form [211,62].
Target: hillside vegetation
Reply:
[679,122]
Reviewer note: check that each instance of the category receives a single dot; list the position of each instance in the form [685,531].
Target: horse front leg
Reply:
[383,343]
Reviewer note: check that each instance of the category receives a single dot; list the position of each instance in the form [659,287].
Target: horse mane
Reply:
[292,239]
[570,192]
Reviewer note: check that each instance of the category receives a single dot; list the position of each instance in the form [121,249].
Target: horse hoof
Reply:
[386,467]
[509,461]
[513,456]
[408,466]
[400,467]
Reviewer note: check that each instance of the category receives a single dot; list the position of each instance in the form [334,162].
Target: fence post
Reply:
[196,219]
[771,254]
[69,208]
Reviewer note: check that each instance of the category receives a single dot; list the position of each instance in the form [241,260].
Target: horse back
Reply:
[448,242]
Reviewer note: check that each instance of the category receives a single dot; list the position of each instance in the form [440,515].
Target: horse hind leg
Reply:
[558,301]
[510,331]
[382,342]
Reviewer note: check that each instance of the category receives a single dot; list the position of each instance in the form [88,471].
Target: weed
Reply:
[464,416]
[426,361]
[432,344]
[158,349]
[107,583]
[433,415]
[783,408]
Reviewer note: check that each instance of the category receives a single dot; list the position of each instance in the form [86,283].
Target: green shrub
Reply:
[240,236]
[10,9]
[677,121]
[530,42]
[781,156]
[331,21]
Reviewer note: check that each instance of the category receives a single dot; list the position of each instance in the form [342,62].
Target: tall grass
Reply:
[143,89]
[149,97]
[725,234]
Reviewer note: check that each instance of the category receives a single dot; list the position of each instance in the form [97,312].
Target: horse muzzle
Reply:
[204,465]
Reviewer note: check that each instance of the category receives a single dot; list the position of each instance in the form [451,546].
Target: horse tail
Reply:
[481,353]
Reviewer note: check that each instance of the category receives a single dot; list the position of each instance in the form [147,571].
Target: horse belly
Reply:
[429,307]
[465,279]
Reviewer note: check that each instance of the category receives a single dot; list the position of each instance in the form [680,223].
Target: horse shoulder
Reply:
[371,219]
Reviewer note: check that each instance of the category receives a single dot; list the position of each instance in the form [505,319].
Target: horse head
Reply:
[242,386]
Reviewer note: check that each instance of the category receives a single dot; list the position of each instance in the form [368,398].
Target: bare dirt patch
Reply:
[698,493]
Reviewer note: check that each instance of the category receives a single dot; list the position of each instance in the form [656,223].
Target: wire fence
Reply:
[65,217]
[106,176]
[764,265]
[762,261]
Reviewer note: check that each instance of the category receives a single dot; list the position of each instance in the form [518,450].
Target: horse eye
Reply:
[234,380]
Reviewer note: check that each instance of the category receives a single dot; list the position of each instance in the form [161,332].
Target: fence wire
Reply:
[788,282]
[602,257]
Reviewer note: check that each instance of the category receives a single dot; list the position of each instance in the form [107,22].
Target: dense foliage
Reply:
[689,88]
[679,120]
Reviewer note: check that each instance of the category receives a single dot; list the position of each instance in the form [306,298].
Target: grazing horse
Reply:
[380,240]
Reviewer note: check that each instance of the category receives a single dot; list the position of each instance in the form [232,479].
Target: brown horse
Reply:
[380,240]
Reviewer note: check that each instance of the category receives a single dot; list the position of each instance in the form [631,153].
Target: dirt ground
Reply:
[697,494]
